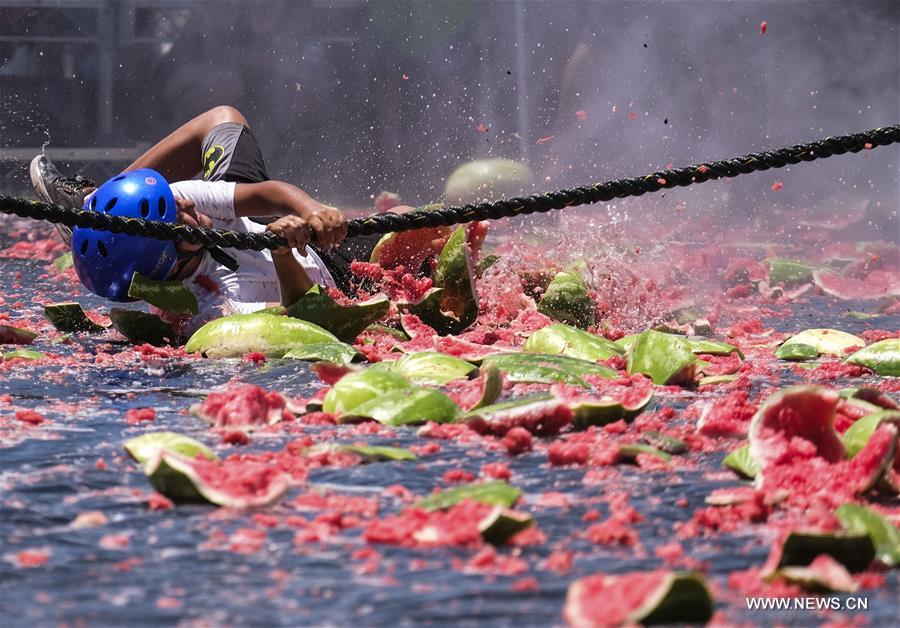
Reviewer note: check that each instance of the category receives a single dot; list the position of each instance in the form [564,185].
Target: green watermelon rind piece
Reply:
[493,493]
[171,296]
[664,358]
[70,317]
[884,535]
[501,524]
[566,300]
[272,335]
[141,327]
[406,406]
[360,387]
[346,322]
[144,447]
[883,357]
[173,475]
[679,598]
[573,342]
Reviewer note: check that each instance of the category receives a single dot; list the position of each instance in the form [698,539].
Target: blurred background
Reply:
[349,97]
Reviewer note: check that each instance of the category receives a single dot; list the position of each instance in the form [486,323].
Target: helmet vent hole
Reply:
[145,208]
[119,178]
[161,207]
[102,248]
[111,203]
[94,202]
[84,245]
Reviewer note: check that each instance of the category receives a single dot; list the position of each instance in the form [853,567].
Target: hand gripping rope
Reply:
[419,218]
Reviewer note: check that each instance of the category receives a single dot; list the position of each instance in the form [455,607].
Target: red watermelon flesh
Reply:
[796,423]
[244,406]
[878,284]
[636,597]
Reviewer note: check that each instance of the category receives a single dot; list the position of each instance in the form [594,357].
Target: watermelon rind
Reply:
[603,410]
[566,300]
[852,549]
[142,327]
[501,524]
[573,342]
[171,296]
[173,475]
[429,367]
[677,597]
[826,341]
[812,409]
[405,406]
[272,335]
[664,358]
[542,368]
[741,462]
[358,387]
[10,335]
[822,575]
[493,493]
[883,357]
[884,535]
[344,321]
[144,447]
[367,453]
[70,317]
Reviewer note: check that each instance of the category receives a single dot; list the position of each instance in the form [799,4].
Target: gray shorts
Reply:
[230,153]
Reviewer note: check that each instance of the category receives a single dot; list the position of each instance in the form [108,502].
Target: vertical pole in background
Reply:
[521,79]
[107,19]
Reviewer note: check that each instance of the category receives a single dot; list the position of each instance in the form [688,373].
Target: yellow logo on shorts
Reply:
[211,160]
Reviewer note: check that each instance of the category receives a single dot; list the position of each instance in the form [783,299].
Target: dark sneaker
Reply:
[53,187]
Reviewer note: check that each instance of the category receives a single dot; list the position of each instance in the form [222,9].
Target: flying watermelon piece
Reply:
[171,296]
[878,284]
[789,272]
[665,358]
[566,300]
[272,335]
[344,321]
[646,597]
[883,357]
[70,317]
[451,306]
[235,484]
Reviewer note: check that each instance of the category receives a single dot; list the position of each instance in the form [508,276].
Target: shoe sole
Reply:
[37,182]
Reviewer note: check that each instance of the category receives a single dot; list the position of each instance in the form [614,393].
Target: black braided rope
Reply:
[420,218]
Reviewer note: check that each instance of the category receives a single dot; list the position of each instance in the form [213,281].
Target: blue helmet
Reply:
[106,261]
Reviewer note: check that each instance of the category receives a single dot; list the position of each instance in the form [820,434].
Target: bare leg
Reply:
[177,156]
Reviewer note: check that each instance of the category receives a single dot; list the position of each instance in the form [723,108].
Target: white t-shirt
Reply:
[255,283]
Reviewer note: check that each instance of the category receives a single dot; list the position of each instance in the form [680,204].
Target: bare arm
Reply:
[277,198]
